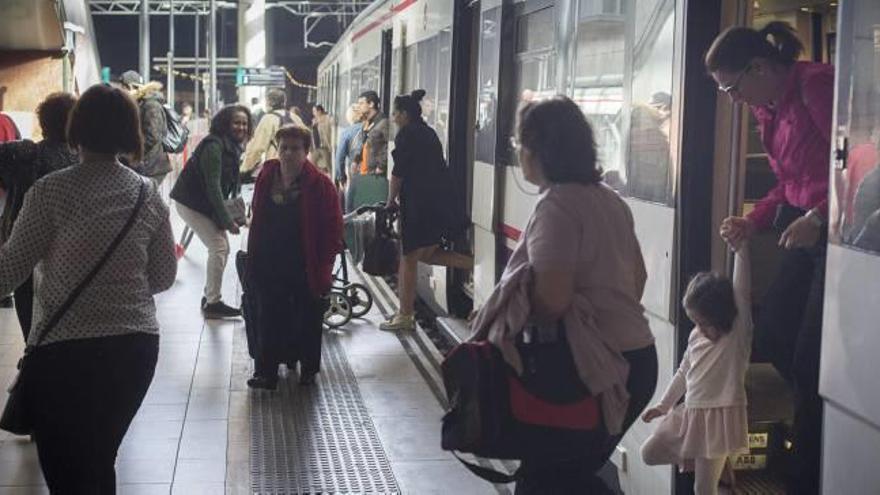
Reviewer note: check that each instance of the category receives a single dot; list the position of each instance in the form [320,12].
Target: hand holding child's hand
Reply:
[652,414]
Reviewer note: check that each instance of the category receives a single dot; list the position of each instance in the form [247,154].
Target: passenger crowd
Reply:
[82,221]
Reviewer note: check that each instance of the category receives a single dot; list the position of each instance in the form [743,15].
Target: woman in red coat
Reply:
[296,233]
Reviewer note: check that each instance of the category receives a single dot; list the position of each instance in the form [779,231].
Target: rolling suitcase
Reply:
[248,304]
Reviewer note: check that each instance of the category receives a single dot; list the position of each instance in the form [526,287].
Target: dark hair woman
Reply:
[91,361]
[295,236]
[420,179]
[792,102]
[578,263]
[204,192]
[22,163]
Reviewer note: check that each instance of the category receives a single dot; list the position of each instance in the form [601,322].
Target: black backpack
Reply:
[176,134]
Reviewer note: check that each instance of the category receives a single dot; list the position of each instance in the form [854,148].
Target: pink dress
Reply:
[713,420]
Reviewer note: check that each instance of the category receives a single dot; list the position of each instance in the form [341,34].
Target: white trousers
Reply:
[215,239]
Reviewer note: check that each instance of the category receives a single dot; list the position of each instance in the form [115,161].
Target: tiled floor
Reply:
[192,434]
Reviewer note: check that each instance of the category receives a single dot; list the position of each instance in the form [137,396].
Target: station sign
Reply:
[259,76]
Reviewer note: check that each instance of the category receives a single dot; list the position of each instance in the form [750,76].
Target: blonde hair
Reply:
[352,115]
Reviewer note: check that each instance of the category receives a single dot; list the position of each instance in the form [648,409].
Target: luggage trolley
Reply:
[348,299]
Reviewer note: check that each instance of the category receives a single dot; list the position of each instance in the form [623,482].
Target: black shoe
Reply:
[307,379]
[262,383]
[219,310]
[6,302]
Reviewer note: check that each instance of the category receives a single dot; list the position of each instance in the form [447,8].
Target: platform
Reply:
[370,424]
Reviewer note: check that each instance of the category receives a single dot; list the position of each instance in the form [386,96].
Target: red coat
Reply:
[320,220]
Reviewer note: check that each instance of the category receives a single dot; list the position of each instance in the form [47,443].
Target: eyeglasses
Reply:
[734,87]
[515,144]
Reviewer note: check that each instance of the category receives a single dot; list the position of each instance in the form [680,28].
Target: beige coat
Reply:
[262,146]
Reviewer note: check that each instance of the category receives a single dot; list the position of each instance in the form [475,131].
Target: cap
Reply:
[131,78]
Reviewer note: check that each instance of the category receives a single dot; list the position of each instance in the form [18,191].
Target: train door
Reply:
[850,340]
[484,202]
[462,115]
[742,177]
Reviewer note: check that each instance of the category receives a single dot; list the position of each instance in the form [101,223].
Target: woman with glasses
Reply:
[792,102]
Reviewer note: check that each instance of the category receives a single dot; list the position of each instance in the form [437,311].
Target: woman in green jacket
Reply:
[207,181]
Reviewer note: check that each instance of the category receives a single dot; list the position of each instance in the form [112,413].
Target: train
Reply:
[681,154]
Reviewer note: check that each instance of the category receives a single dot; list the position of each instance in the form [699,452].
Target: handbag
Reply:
[544,413]
[15,418]
[382,253]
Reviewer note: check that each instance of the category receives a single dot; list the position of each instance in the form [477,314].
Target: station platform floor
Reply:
[370,424]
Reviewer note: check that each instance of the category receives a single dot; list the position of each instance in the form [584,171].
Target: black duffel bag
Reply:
[382,253]
[546,413]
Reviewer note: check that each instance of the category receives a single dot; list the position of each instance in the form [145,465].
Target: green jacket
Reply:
[209,177]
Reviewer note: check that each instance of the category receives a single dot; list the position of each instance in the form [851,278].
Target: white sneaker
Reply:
[399,322]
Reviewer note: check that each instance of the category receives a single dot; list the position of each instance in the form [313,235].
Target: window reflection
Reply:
[487,99]
[860,200]
[534,63]
[648,163]
[628,101]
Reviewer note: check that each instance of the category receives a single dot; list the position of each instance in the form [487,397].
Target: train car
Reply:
[681,154]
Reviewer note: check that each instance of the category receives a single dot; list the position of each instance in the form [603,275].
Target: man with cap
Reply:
[155,163]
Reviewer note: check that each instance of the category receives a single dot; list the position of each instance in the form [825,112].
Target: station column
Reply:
[251,43]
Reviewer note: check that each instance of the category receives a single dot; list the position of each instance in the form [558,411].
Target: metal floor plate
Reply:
[317,439]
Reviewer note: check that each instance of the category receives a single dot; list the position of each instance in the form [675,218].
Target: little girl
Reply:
[712,424]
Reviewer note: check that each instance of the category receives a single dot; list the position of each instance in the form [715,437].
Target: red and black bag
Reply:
[546,413]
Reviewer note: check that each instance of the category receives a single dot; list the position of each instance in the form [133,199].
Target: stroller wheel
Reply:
[339,310]
[360,297]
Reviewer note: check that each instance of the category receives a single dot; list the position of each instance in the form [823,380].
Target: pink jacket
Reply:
[796,134]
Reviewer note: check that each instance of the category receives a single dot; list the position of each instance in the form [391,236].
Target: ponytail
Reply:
[734,49]
[411,103]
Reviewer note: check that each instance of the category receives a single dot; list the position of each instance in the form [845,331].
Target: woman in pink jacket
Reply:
[792,102]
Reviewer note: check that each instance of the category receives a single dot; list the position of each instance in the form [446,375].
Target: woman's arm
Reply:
[553,242]
[31,236]
[341,155]
[161,262]
[394,187]
[211,166]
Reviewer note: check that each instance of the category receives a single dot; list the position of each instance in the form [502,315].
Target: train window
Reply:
[858,204]
[486,128]
[628,99]
[649,160]
[534,62]
[598,81]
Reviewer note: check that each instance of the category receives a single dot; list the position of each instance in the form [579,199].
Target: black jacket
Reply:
[154,128]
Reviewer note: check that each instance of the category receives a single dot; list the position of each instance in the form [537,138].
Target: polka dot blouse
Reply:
[68,220]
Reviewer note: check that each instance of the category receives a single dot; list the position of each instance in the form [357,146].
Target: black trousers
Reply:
[289,330]
[83,395]
[24,305]
[789,331]
[579,476]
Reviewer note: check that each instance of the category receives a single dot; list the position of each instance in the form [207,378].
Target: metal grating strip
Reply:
[318,439]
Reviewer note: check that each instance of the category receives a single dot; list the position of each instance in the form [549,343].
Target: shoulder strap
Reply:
[490,475]
[59,313]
